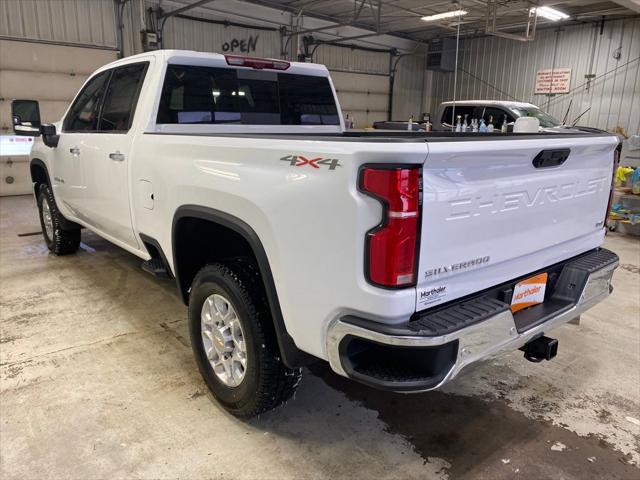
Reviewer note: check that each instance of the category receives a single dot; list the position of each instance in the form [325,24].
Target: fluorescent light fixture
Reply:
[550,13]
[441,16]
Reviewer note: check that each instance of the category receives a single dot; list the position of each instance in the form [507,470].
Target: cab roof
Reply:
[190,57]
[501,103]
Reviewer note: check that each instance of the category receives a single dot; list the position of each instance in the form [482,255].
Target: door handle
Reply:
[74,151]
[117,156]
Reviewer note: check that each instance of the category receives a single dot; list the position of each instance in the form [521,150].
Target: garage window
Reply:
[206,95]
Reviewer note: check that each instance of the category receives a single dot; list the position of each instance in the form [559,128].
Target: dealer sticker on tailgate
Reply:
[529,292]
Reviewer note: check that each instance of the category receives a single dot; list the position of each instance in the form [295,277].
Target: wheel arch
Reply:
[39,174]
[291,355]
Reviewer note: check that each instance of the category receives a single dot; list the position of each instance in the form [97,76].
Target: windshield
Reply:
[546,120]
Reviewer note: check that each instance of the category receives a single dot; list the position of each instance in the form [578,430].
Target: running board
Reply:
[155,267]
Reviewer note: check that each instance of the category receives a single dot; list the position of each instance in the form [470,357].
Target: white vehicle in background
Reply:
[398,257]
[490,110]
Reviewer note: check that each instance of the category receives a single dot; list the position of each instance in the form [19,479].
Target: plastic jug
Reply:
[526,125]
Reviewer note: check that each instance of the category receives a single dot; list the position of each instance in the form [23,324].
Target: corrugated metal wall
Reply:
[496,68]
[352,60]
[188,34]
[86,22]
[93,22]
[408,91]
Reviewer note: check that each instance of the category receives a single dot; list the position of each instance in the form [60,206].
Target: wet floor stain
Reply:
[486,439]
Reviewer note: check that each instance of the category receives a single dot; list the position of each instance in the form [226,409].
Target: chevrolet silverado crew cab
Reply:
[398,257]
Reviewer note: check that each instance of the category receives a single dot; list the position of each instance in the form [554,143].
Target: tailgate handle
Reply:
[551,158]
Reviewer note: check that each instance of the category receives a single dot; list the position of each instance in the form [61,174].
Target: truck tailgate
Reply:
[489,215]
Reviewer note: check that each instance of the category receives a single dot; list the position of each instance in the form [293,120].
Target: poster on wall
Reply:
[554,80]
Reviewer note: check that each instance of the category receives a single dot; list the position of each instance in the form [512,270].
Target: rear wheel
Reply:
[234,342]
[60,237]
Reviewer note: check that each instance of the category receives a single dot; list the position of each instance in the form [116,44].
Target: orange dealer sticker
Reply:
[529,292]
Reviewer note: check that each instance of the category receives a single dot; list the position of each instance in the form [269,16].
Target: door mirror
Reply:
[25,115]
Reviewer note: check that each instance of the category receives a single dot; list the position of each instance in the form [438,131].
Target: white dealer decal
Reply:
[428,296]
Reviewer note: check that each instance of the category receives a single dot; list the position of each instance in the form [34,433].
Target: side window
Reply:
[83,114]
[496,115]
[461,110]
[121,98]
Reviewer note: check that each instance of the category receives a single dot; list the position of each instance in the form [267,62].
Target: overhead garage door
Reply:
[51,74]
[364,97]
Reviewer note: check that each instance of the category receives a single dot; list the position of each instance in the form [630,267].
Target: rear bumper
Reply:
[433,347]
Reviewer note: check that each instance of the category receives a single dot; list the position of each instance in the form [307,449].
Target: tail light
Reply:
[391,247]
[257,63]
[616,162]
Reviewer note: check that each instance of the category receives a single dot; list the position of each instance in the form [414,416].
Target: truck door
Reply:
[106,156]
[79,125]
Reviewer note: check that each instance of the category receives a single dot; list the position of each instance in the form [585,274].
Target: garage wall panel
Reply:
[40,57]
[51,74]
[363,97]
[496,68]
[361,79]
[24,84]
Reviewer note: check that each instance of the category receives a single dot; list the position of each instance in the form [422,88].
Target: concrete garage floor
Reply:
[98,381]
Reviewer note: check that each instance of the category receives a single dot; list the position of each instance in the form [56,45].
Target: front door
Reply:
[106,168]
[79,126]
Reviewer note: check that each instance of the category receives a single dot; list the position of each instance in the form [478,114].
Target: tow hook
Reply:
[542,348]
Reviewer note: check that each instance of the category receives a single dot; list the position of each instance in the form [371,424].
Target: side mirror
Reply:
[49,135]
[25,116]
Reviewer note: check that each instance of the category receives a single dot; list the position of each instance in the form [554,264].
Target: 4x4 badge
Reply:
[299,161]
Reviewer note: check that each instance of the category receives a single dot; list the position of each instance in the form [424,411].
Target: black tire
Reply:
[65,236]
[267,382]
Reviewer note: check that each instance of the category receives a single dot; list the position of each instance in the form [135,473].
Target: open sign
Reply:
[244,45]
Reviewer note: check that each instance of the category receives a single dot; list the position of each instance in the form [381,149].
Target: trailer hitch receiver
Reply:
[541,348]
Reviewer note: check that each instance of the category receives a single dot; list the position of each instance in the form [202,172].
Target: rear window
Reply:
[208,95]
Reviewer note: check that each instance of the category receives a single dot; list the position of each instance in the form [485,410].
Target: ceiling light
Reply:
[440,16]
[550,13]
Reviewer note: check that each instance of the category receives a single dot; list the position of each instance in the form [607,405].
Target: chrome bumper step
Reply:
[436,345]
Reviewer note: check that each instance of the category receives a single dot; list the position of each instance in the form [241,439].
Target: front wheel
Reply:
[60,238]
[234,342]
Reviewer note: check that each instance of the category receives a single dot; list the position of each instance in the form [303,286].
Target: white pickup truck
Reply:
[398,257]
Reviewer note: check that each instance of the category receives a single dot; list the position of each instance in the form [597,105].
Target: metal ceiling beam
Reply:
[389,23]
[351,22]
[337,21]
[163,15]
